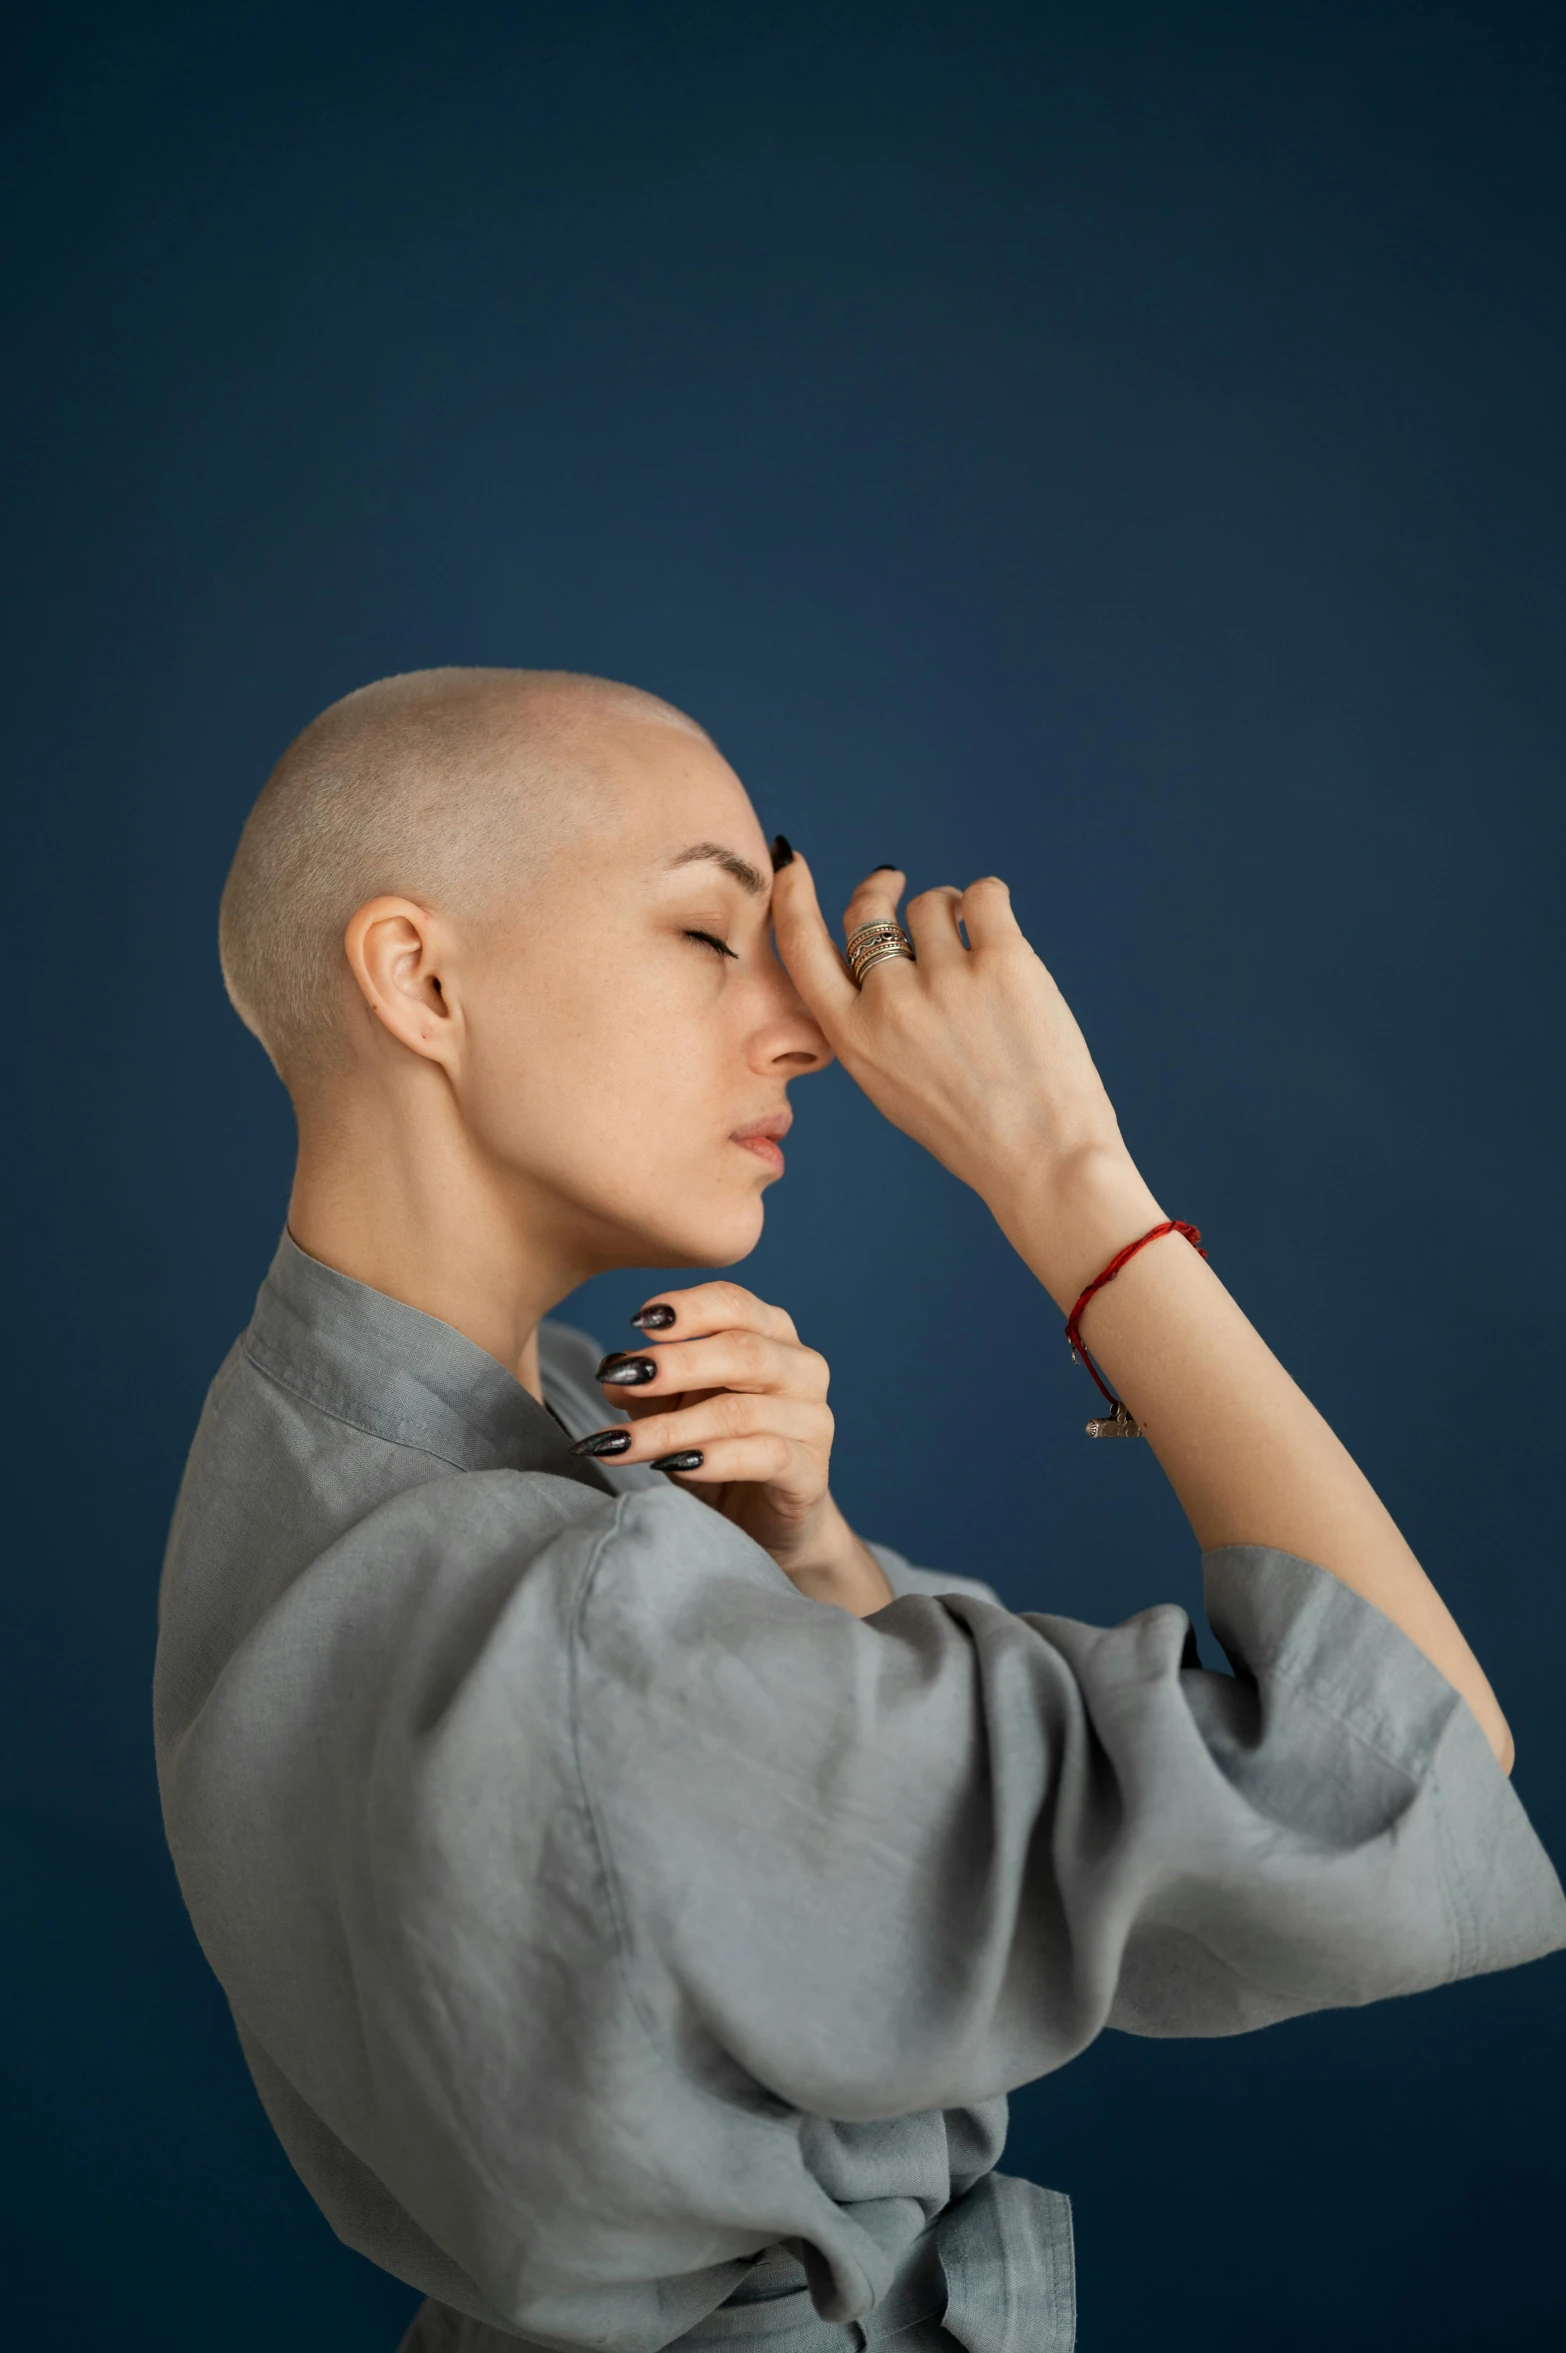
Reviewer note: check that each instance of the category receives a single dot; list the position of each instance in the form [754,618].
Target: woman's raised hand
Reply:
[974,1053]
[731,1403]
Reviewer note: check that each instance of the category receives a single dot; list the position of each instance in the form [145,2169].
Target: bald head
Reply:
[451,787]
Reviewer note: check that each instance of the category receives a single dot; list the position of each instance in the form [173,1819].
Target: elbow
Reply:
[1498,1733]
[1485,1708]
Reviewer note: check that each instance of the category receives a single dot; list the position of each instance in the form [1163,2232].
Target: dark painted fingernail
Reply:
[782,852]
[627,1372]
[886,867]
[691,1460]
[603,1442]
[656,1318]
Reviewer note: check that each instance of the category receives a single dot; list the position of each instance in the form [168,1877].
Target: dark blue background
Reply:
[1118,447]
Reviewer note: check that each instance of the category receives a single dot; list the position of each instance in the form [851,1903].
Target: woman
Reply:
[636,1893]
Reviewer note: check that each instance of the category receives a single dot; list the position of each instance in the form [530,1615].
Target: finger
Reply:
[931,923]
[747,1361]
[766,1460]
[987,915]
[809,954]
[732,1414]
[636,1407]
[875,901]
[713,1307]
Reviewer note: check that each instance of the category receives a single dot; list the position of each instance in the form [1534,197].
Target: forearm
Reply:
[1248,1455]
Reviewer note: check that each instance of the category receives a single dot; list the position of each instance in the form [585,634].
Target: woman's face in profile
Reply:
[630,1034]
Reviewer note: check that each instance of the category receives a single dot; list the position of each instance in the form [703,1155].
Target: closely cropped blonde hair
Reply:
[442,785]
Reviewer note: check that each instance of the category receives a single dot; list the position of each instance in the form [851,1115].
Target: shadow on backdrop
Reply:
[1120,449]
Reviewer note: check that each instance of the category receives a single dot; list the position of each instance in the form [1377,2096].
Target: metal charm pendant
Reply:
[1122,1423]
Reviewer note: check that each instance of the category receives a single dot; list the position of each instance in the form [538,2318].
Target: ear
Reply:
[396,953]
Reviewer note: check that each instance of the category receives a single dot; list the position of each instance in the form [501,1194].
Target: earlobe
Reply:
[395,953]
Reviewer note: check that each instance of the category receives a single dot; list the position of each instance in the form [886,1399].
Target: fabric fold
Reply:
[604,1917]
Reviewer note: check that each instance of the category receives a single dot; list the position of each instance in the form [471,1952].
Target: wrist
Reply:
[830,1563]
[1067,1221]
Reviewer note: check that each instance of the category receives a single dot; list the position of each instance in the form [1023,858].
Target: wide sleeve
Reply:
[912,1861]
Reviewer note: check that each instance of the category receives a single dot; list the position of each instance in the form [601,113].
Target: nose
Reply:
[786,1042]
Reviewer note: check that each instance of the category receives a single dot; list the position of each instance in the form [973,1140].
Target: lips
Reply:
[764,1136]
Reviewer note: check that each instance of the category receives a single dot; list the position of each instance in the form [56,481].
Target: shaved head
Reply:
[444,786]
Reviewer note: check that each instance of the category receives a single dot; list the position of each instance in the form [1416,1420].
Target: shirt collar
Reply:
[399,1374]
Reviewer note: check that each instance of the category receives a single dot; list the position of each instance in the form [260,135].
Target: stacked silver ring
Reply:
[876,943]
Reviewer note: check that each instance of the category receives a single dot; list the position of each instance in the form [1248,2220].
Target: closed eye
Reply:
[710,940]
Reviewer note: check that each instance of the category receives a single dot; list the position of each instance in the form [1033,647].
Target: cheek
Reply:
[556,1077]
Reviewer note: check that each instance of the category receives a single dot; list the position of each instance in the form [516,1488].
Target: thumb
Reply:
[808,950]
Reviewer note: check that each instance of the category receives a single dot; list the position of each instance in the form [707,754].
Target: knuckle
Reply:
[816,1433]
[733,1414]
[938,894]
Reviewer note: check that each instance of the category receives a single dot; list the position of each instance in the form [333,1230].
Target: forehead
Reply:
[675,788]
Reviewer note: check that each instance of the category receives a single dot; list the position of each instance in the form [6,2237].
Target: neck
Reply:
[394,1194]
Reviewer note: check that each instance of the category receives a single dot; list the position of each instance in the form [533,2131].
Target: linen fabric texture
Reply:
[628,1949]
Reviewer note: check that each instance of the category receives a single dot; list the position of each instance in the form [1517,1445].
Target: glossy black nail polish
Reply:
[656,1318]
[603,1442]
[886,867]
[627,1372]
[782,852]
[691,1460]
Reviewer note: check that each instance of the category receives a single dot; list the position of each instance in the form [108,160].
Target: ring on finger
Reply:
[877,943]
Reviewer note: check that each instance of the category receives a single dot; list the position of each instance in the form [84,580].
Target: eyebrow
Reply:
[730,860]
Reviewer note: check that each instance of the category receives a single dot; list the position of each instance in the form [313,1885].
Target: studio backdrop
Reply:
[1118,448]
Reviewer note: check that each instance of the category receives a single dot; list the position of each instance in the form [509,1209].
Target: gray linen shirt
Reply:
[627,1949]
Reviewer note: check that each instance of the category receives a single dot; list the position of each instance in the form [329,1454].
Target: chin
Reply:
[720,1239]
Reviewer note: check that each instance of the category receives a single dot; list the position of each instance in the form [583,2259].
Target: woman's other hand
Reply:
[733,1405]
[974,1052]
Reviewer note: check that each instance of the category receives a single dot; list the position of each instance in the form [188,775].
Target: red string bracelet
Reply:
[1119,1422]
